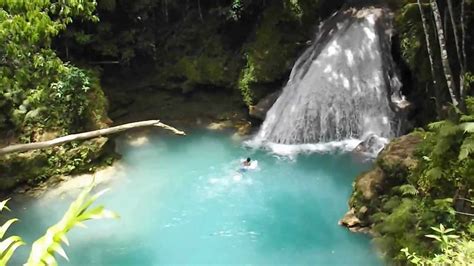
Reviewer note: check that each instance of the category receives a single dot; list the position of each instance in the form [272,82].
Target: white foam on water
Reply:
[370,146]
[292,150]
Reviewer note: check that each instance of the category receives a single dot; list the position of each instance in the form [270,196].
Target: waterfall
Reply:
[344,86]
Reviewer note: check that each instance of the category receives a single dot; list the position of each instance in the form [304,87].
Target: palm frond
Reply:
[44,248]
[8,247]
[3,205]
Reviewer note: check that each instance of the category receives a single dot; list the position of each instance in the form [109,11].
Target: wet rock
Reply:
[370,184]
[352,222]
[221,125]
[260,109]
[399,153]
[372,144]
[350,219]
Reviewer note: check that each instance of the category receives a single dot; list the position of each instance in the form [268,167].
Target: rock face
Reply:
[391,168]
[261,108]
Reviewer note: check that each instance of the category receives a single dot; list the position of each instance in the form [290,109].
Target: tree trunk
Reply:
[431,57]
[200,11]
[445,25]
[86,135]
[166,11]
[463,33]
[459,54]
[463,50]
[444,53]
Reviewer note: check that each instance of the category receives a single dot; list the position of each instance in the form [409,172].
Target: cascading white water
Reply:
[344,86]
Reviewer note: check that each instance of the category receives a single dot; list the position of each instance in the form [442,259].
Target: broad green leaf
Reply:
[434,237]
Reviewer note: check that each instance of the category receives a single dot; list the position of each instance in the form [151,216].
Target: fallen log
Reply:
[86,135]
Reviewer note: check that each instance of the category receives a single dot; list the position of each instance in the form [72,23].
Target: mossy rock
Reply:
[398,157]
[392,168]
[35,166]
[271,52]
[196,55]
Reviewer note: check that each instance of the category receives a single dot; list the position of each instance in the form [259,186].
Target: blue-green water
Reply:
[182,201]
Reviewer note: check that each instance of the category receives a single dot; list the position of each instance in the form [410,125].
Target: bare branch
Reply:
[87,135]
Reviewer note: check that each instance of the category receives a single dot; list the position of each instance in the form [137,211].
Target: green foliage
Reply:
[447,155]
[33,78]
[44,249]
[454,251]
[411,35]
[36,166]
[435,189]
[42,97]
[245,81]
[276,42]
[408,190]
[9,245]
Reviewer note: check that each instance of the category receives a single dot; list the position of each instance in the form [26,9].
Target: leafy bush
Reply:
[33,78]
[454,250]
[436,189]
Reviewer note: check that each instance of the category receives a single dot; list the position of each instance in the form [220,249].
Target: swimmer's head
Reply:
[248,160]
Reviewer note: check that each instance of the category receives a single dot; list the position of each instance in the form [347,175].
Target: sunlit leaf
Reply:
[5,226]
[3,205]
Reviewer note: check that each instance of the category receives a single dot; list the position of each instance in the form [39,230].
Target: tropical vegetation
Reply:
[56,57]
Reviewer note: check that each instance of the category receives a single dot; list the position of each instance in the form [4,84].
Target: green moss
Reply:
[196,54]
[271,53]
[38,165]
[202,70]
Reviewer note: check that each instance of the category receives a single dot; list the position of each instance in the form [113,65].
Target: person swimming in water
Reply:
[247,162]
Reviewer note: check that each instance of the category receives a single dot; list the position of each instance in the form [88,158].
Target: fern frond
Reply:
[468,127]
[467,148]
[467,118]
[44,248]
[449,129]
[435,173]
[436,125]
[408,189]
